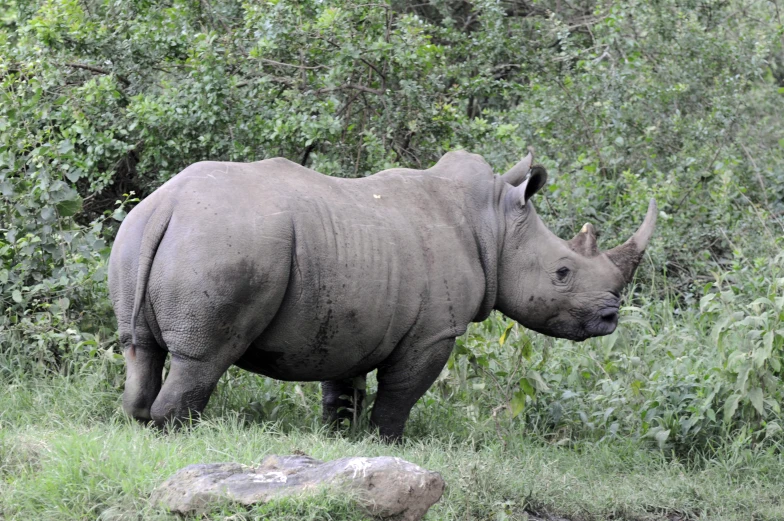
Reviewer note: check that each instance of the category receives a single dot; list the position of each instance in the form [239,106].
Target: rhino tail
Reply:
[154,231]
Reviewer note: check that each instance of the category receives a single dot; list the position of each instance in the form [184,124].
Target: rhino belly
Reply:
[316,350]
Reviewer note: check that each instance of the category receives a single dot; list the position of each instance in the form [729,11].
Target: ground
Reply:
[68,452]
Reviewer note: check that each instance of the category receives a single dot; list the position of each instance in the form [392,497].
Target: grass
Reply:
[67,452]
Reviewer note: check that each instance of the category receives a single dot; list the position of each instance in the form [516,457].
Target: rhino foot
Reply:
[342,400]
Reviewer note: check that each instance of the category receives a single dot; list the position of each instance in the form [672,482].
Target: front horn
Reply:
[628,255]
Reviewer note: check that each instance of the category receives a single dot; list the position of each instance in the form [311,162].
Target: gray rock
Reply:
[386,487]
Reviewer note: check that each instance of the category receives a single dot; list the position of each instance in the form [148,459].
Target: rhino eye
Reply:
[562,273]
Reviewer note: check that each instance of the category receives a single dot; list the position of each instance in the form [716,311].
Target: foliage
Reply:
[102,101]
[687,380]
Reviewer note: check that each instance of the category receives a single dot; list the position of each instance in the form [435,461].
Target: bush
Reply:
[103,101]
[686,379]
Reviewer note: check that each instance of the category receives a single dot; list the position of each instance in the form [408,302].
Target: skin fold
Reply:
[298,276]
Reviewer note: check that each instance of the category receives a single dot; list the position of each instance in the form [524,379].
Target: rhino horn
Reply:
[519,172]
[584,242]
[628,255]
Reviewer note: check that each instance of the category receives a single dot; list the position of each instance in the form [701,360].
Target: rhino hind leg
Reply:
[186,391]
[341,400]
[144,371]
[402,382]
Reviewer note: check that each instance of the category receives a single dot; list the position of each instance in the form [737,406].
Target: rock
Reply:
[386,487]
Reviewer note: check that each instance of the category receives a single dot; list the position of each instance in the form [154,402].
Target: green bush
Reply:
[687,379]
[102,101]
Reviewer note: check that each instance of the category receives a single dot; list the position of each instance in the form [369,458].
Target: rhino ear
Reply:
[532,184]
[518,173]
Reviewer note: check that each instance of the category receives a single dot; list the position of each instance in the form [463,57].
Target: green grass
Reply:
[67,452]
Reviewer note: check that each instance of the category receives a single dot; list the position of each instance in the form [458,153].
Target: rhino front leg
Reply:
[341,399]
[402,382]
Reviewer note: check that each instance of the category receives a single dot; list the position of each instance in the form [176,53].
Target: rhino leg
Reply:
[338,400]
[402,382]
[187,390]
[144,369]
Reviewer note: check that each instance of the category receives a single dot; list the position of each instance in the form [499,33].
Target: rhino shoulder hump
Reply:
[460,162]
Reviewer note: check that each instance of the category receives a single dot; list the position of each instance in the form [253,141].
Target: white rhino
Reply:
[294,275]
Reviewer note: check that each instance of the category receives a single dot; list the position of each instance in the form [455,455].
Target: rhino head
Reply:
[567,289]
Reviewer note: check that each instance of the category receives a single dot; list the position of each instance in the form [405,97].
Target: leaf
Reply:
[527,388]
[661,437]
[743,377]
[6,188]
[70,207]
[760,355]
[74,175]
[704,301]
[755,396]
[527,348]
[517,403]
[719,327]
[119,214]
[505,334]
[761,300]
[17,296]
[65,146]
[47,213]
[538,382]
[730,406]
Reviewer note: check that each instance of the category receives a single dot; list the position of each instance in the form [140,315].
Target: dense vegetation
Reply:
[101,101]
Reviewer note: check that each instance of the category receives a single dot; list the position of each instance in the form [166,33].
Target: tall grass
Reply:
[68,452]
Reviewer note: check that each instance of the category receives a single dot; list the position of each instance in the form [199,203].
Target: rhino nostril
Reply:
[609,315]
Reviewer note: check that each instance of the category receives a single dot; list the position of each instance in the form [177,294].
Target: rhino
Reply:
[291,274]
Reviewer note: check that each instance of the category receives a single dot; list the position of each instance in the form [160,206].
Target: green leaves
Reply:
[535,380]
[505,334]
[100,98]
[65,146]
[70,208]
[755,397]
[517,403]
[730,406]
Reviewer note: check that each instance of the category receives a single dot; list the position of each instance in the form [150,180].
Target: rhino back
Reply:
[322,277]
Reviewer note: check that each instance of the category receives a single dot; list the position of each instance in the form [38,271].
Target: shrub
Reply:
[103,101]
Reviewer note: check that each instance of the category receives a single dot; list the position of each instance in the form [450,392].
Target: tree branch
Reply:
[273,62]
[99,70]
[377,92]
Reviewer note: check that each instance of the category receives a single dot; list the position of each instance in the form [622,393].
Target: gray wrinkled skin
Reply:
[298,276]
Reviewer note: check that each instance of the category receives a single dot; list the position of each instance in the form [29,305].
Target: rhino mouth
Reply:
[600,322]
[604,323]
